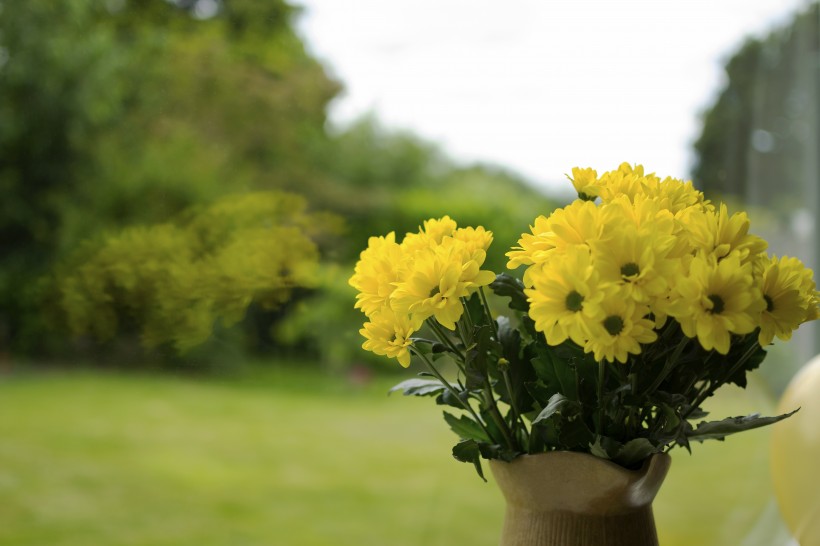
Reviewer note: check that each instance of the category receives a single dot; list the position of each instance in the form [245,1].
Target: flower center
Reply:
[613,324]
[769,303]
[717,304]
[630,270]
[575,301]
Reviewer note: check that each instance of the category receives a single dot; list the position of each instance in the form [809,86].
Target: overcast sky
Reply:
[538,86]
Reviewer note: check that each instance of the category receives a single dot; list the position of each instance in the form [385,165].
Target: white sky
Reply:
[538,86]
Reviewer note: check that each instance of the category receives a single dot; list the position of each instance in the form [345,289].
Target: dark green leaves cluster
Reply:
[521,395]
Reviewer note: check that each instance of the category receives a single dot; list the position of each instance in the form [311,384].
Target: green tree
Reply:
[123,113]
[756,137]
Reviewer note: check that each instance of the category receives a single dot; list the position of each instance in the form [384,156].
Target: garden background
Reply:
[179,354]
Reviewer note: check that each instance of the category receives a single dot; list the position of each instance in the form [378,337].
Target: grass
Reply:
[296,459]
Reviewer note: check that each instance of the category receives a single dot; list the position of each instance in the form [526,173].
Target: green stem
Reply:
[668,366]
[444,338]
[450,388]
[601,377]
[516,414]
[488,313]
[714,385]
[496,415]
[466,315]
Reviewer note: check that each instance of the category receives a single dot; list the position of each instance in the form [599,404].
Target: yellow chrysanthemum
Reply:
[388,334]
[472,255]
[716,299]
[431,234]
[808,289]
[565,297]
[637,262]
[434,284]
[621,330]
[645,213]
[531,246]
[376,272]
[585,182]
[785,306]
[626,180]
[474,238]
[676,195]
[718,234]
[576,224]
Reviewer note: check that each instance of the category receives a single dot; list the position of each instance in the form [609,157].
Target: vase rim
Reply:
[579,482]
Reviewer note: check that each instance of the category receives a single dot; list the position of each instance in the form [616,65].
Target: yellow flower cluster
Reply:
[608,270]
[425,276]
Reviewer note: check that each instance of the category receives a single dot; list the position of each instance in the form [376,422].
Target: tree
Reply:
[122,113]
[760,136]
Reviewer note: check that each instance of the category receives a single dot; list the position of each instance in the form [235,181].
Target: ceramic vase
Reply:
[562,498]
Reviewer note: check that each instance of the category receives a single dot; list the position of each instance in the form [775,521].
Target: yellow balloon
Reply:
[796,455]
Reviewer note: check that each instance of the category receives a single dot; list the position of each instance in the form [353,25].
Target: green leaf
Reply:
[477,362]
[558,375]
[467,452]
[421,387]
[497,451]
[428,346]
[509,287]
[447,398]
[598,450]
[556,402]
[634,451]
[475,309]
[718,430]
[466,428]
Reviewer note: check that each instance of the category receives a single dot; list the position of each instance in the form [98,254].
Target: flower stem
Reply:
[500,422]
[516,414]
[601,377]
[488,313]
[466,405]
[444,338]
[714,385]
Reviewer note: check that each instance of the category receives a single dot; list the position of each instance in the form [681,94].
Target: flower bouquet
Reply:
[639,300]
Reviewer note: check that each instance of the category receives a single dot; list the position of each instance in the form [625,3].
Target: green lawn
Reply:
[295,459]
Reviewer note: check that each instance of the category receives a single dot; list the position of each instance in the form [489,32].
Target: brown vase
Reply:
[562,498]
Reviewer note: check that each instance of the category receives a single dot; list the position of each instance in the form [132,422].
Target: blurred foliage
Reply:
[124,124]
[393,181]
[120,113]
[173,281]
[763,125]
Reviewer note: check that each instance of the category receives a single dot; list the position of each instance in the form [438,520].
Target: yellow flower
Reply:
[576,224]
[717,233]
[637,261]
[585,182]
[786,308]
[808,290]
[621,330]
[376,272]
[388,334]
[433,287]
[626,180]
[716,299]
[472,255]
[646,213]
[431,234]
[474,238]
[565,297]
[531,246]
[676,195]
